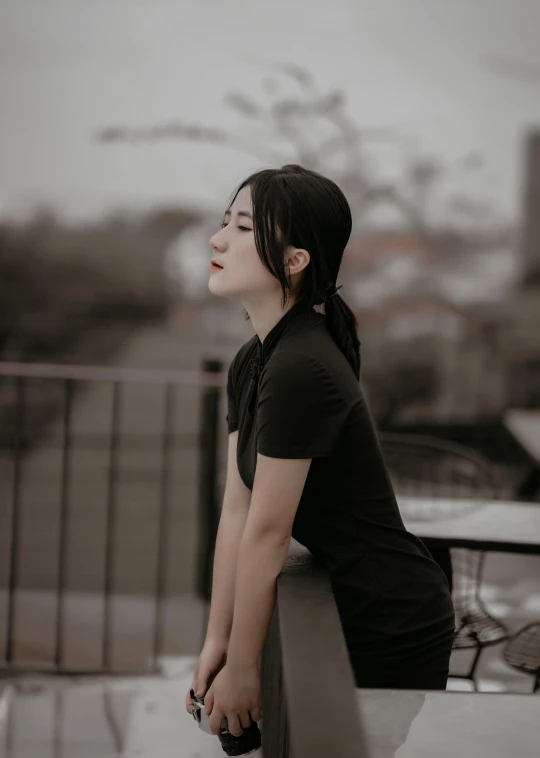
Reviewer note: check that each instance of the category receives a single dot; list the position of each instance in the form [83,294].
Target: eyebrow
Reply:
[240,213]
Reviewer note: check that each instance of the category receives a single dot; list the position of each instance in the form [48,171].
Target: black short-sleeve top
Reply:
[296,396]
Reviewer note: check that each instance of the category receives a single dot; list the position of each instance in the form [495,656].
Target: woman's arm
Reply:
[277,490]
[259,563]
[236,500]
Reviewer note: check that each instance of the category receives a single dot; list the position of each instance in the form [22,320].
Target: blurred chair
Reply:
[429,468]
[522,652]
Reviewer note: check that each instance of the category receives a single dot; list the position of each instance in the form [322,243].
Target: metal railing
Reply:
[16,449]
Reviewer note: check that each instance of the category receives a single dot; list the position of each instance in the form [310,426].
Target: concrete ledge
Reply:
[308,694]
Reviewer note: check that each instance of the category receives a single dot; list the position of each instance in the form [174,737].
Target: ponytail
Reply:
[343,328]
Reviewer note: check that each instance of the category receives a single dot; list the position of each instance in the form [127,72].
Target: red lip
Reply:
[213,264]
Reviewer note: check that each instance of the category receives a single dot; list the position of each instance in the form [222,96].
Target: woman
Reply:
[304,459]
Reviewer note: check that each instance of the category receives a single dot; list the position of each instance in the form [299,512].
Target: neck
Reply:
[265,316]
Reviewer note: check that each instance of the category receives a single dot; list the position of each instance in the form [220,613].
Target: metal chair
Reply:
[428,468]
[522,652]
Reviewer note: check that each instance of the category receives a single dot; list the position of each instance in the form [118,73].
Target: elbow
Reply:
[268,546]
[266,535]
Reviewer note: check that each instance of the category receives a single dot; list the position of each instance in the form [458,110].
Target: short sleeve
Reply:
[232,406]
[301,412]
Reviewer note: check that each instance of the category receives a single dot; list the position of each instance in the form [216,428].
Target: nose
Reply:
[217,241]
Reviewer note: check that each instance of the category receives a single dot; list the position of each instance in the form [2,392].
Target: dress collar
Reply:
[265,349]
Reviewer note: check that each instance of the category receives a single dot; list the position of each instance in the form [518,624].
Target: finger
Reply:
[209,702]
[202,680]
[215,721]
[244,719]
[189,701]
[256,714]
[200,685]
[235,727]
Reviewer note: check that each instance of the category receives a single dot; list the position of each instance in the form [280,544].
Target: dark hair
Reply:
[295,206]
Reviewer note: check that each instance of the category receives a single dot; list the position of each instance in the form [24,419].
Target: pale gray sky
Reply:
[70,67]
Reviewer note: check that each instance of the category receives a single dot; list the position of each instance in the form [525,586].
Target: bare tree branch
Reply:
[294,118]
[178,130]
[244,105]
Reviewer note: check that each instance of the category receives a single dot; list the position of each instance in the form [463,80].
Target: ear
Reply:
[297,259]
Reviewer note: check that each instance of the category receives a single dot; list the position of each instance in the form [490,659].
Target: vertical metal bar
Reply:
[111,523]
[208,499]
[58,731]
[64,521]
[15,519]
[112,722]
[9,727]
[164,520]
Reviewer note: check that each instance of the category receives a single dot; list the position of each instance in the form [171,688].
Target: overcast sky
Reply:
[70,67]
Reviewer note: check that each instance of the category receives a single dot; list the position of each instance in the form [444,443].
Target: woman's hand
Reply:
[211,660]
[234,694]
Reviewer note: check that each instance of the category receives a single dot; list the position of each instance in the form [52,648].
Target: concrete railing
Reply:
[308,694]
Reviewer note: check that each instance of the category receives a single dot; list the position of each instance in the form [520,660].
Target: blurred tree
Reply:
[75,295]
[313,128]
[59,284]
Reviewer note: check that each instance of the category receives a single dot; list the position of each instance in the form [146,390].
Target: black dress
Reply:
[296,396]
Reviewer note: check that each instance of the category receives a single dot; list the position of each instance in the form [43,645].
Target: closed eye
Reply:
[242,228]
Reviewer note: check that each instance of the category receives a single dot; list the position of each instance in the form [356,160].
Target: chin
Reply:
[212,287]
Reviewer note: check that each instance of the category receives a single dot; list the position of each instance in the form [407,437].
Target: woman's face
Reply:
[243,275]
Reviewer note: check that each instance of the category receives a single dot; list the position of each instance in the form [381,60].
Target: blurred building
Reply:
[513,322]
[531,214]
[458,330]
